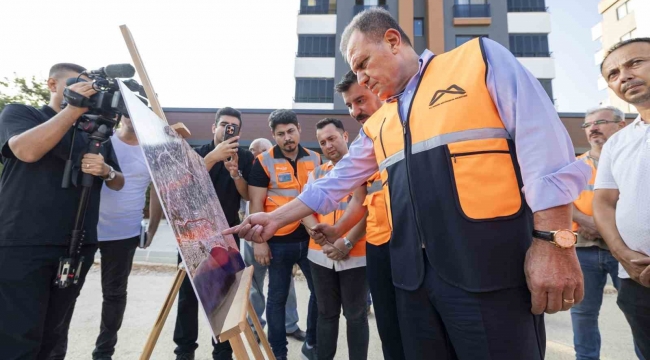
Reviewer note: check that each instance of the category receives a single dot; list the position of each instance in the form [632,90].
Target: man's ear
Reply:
[51,84]
[345,136]
[393,38]
[299,130]
[214,128]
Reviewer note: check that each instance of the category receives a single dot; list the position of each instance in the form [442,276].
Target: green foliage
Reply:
[28,91]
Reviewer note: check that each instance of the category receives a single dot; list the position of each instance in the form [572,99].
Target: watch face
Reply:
[565,238]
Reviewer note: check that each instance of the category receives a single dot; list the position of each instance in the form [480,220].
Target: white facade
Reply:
[311,67]
[541,68]
[313,106]
[316,24]
[529,23]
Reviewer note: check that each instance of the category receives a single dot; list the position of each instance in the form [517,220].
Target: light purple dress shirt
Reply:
[550,172]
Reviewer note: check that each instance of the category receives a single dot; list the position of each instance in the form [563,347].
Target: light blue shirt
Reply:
[550,172]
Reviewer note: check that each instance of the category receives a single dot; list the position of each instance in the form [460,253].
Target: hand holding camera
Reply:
[225,149]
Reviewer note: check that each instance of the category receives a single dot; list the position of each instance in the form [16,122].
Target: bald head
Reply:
[259,146]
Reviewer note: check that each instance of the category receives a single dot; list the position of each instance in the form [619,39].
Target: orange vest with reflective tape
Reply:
[357,255]
[284,185]
[452,180]
[377,226]
[585,201]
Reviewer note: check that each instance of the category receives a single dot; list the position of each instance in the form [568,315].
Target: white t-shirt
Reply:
[120,212]
[625,165]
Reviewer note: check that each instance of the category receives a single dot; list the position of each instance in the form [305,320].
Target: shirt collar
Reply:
[423,60]
[638,122]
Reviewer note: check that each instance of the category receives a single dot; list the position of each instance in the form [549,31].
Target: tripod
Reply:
[100,130]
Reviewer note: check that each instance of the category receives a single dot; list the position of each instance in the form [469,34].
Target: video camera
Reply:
[105,110]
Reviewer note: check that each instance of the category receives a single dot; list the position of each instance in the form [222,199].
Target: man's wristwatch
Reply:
[347,243]
[564,239]
[111,174]
[239,175]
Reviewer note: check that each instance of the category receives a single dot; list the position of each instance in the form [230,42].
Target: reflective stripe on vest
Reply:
[357,255]
[451,179]
[584,202]
[283,184]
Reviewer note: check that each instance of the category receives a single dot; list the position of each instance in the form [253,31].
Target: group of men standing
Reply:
[455,212]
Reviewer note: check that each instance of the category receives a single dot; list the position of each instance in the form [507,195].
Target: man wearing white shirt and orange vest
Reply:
[479,174]
[338,268]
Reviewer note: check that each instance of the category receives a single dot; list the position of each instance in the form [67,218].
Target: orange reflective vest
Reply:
[377,226]
[285,182]
[452,180]
[585,201]
[357,255]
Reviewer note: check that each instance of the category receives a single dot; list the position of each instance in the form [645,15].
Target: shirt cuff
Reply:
[606,185]
[559,188]
[317,200]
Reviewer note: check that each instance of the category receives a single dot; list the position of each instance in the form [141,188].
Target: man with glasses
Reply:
[595,259]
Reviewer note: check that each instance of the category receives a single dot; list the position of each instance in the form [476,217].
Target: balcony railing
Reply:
[472,11]
[517,8]
[318,9]
[360,8]
[536,54]
[317,99]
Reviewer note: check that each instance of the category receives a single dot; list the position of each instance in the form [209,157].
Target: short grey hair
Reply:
[618,114]
[263,142]
[373,23]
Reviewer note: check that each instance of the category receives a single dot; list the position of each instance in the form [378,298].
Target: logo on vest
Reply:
[452,90]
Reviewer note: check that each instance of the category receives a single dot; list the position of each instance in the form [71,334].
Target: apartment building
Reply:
[621,20]
[439,25]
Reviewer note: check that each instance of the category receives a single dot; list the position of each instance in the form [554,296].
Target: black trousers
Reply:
[32,309]
[380,281]
[442,321]
[186,331]
[634,301]
[336,289]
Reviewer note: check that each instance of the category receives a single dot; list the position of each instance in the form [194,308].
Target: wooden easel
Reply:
[236,322]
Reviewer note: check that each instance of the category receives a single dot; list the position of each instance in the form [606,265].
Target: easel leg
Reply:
[162,316]
[260,331]
[238,347]
[255,347]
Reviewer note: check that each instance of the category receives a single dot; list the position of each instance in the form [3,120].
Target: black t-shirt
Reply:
[34,208]
[224,185]
[259,178]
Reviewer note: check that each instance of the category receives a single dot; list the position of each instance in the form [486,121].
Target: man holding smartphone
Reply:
[229,167]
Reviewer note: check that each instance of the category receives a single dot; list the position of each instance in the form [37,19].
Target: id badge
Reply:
[284,177]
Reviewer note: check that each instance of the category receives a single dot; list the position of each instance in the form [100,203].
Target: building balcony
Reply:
[532,54]
[360,8]
[318,9]
[472,15]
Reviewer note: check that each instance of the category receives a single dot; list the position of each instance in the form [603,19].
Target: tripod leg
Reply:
[162,316]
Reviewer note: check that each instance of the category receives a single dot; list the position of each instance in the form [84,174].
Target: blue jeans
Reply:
[257,292]
[596,263]
[283,257]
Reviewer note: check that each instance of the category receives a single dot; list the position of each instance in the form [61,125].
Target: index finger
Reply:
[642,261]
[232,230]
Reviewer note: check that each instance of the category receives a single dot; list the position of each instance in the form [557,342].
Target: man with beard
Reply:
[362,103]
[278,176]
[622,193]
[338,267]
[229,168]
[595,259]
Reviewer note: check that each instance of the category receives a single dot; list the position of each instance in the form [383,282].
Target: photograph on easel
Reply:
[192,208]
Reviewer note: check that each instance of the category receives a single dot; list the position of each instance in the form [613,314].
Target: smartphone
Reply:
[231,131]
[143,234]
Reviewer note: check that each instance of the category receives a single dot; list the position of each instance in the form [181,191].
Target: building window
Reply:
[625,9]
[313,90]
[461,39]
[361,5]
[316,45]
[547,84]
[526,5]
[628,36]
[471,8]
[418,27]
[317,7]
[529,45]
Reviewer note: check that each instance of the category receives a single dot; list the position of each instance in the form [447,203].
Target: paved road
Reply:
[149,285]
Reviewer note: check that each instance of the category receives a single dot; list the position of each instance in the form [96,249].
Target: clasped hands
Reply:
[325,236]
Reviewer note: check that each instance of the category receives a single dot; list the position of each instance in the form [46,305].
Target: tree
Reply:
[28,91]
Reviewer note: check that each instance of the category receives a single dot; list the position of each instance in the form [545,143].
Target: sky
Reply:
[208,54]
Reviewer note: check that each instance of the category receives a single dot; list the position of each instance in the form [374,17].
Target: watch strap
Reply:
[543,235]
[347,243]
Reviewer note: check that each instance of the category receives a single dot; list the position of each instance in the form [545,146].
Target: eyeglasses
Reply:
[598,122]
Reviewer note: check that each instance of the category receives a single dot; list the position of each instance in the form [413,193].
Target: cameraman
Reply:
[37,215]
